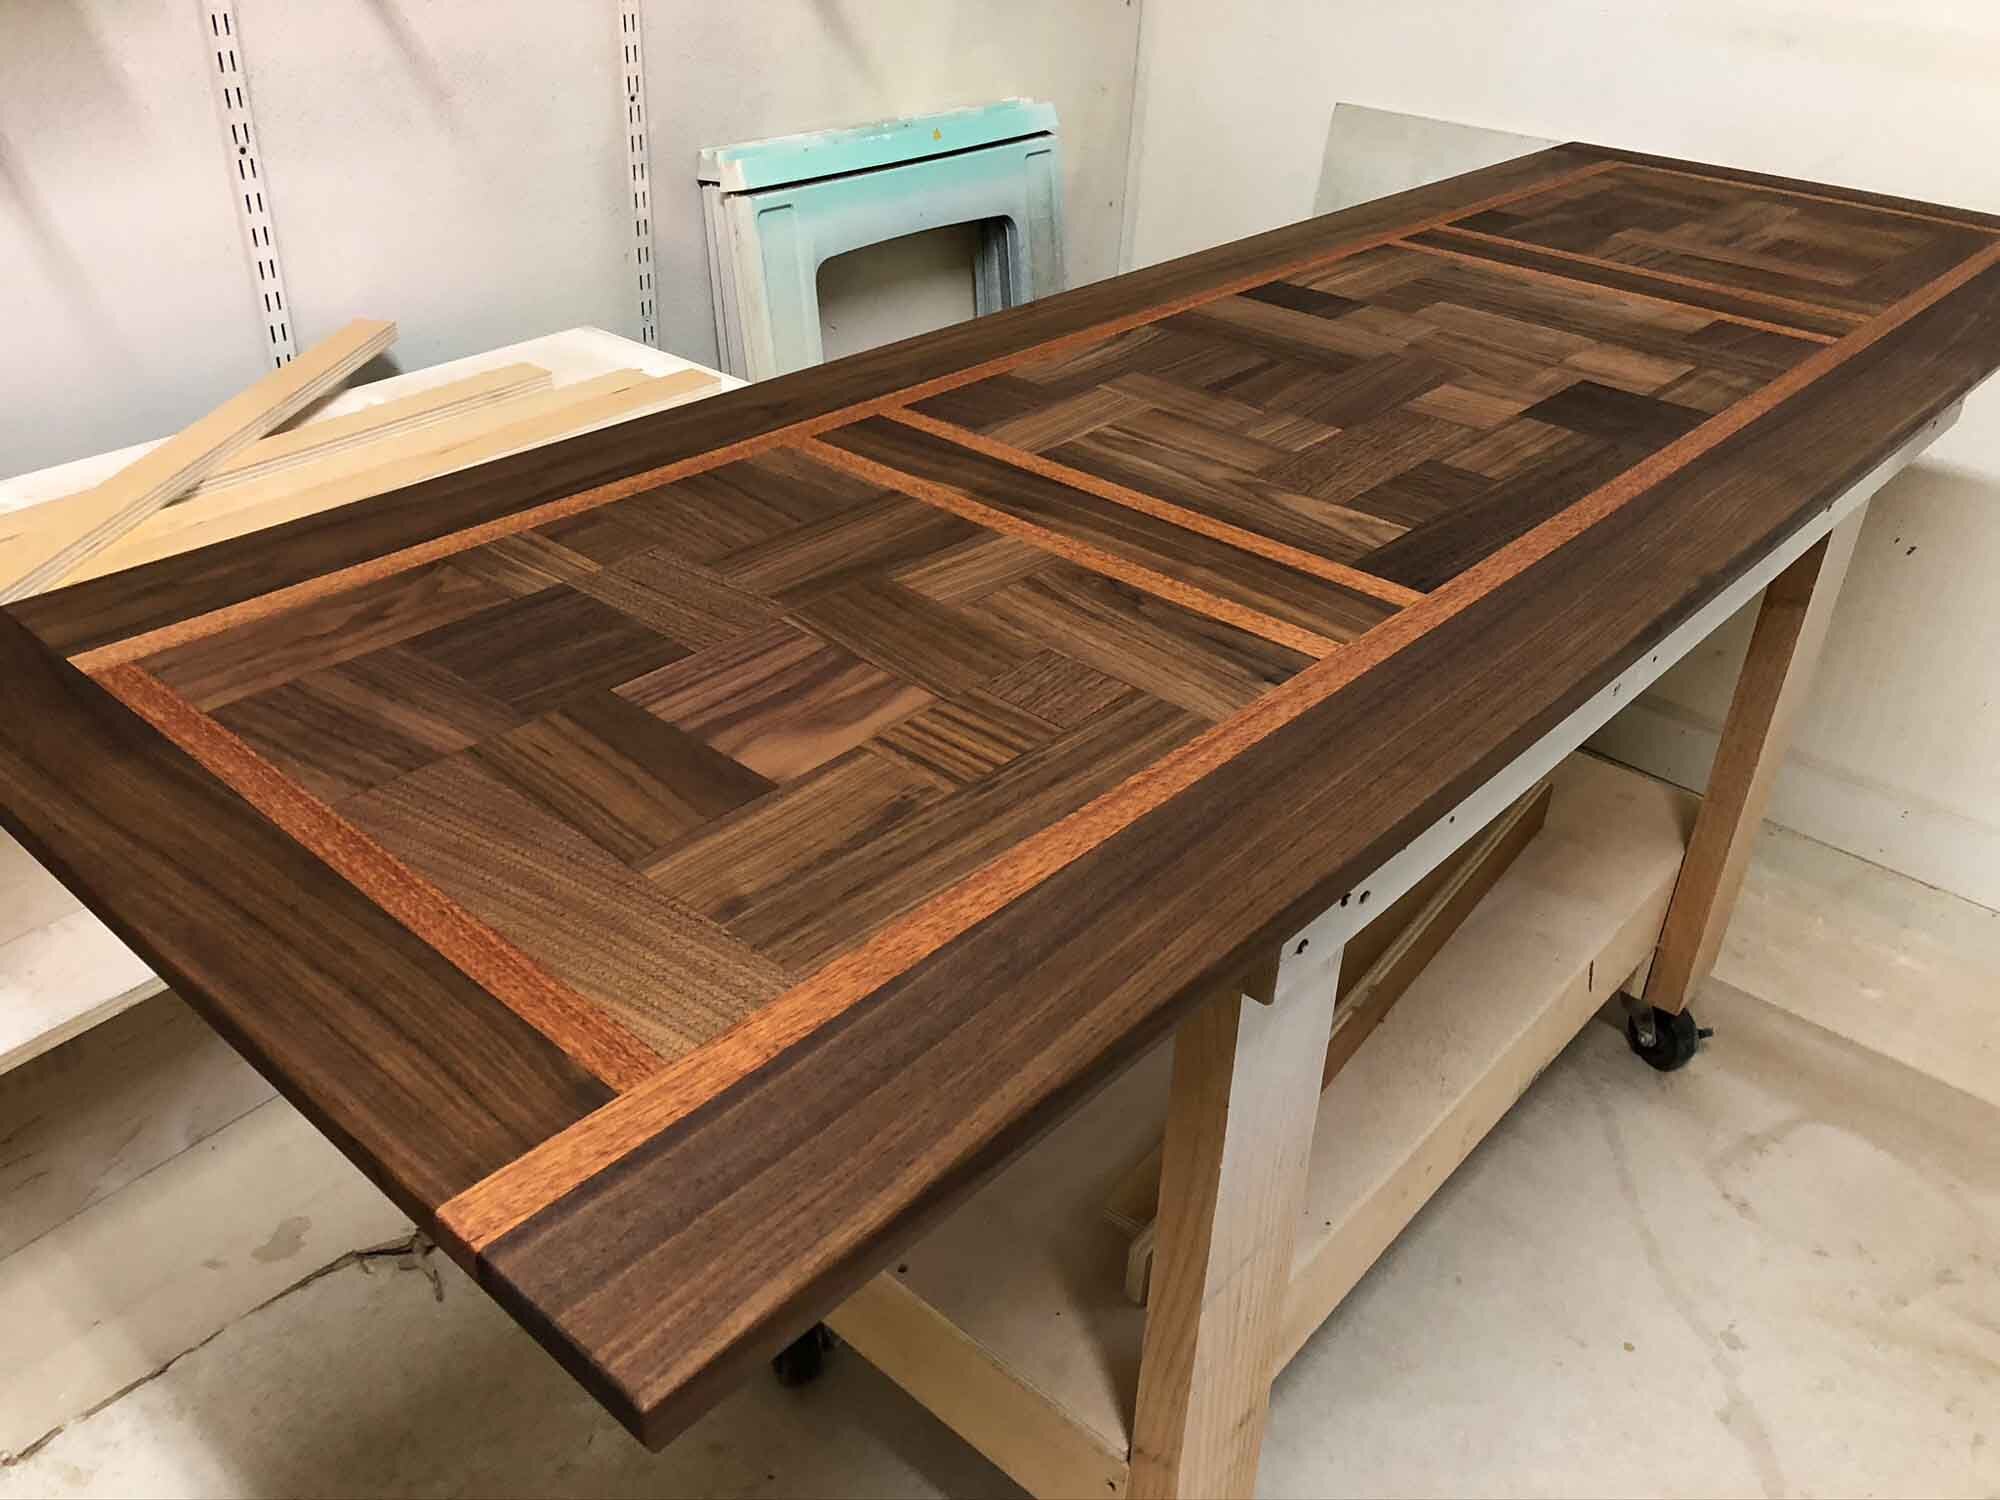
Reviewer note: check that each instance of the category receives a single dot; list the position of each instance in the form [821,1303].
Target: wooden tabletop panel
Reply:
[679,862]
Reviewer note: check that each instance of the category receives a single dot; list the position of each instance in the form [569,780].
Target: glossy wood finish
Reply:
[315,553]
[413,1069]
[850,771]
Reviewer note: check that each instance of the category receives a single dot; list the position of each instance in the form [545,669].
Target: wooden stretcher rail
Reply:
[864,765]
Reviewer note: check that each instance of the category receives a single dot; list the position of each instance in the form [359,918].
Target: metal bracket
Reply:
[1437,843]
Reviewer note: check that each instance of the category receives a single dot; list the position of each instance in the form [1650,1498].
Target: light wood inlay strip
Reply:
[279,600]
[1536,273]
[511,1195]
[1769,299]
[312,443]
[959,503]
[317,440]
[586,1033]
[1165,510]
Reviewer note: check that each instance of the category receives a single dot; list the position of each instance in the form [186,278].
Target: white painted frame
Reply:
[1443,838]
[766,243]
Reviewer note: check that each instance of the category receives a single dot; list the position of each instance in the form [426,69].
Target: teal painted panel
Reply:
[883,143]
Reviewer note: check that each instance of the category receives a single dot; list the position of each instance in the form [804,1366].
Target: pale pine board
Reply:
[105,513]
[442,448]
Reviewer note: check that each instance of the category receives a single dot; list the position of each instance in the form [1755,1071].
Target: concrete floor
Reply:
[1777,1272]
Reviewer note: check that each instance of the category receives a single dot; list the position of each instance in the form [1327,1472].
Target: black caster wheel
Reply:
[1666,1041]
[803,1360]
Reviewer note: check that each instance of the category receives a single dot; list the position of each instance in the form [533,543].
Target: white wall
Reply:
[124,297]
[880,293]
[1896,759]
[458,165]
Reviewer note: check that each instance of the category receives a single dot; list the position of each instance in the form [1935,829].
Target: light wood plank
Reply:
[317,438]
[971,1390]
[62,978]
[320,439]
[1240,1119]
[1435,910]
[303,454]
[103,514]
[203,511]
[1561,930]
[470,439]
[1379,965]
[1777,673]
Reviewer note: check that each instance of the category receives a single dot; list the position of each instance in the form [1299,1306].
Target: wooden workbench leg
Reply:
[1791,628]
[1239,1132]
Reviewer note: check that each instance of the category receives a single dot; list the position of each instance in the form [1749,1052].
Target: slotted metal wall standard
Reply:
[250,190]
[246,170]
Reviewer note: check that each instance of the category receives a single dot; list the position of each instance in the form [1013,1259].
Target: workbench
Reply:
[681,864]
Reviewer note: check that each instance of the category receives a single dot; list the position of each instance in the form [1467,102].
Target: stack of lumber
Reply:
[224,476]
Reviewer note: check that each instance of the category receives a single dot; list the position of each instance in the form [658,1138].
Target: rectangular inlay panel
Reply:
[676,861]
[558,728]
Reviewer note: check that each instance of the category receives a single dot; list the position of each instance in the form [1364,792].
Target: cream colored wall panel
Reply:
[1373,152]
[1894,758]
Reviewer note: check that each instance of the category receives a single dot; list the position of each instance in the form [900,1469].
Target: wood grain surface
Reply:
[408,1064]
[776,811]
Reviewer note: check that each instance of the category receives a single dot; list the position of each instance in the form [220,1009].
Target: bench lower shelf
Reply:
[1010,1321]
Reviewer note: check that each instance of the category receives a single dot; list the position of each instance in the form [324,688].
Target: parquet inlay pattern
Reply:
[699,774]
[1399,414]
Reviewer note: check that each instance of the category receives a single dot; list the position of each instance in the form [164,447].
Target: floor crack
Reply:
[410,1252]
[1738,1416]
